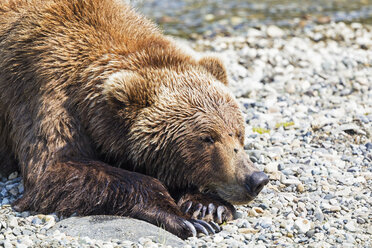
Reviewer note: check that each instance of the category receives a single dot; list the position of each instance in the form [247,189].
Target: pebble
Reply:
[271,167]
[36,221]
[217,238]
[300,188]
[350,226]
[318,214]
[265,222]
[302,225]
[12,222]
[7,244]
[290,181]
[326,226]
[21,246]
[274,31]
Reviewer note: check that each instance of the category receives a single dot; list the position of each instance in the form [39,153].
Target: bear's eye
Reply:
[239,135]
[208,139]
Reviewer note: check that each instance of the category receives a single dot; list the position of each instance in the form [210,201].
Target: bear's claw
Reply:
[203,227]
[200,226]
[196,213]
[191,228]
[187,207]
[220,211]
[211,209]
[216,227]
[209,213]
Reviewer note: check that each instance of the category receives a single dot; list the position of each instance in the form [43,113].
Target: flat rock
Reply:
[104,227]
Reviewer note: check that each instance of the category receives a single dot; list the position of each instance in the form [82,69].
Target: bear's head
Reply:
[185,128]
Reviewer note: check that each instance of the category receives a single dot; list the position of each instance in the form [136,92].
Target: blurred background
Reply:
[209,18]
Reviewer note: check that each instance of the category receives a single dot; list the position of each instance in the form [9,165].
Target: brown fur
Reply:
[104,115]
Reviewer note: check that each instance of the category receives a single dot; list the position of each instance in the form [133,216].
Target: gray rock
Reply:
[7,244]
[106,228]
[350,226]
[21,246]
[319,215]
[5,201]
[302,225]
[310,233]
[369,146]
[13,222]
[274,31]
[36,221]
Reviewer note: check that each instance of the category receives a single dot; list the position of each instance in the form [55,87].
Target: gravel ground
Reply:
[192,18]
[307,98]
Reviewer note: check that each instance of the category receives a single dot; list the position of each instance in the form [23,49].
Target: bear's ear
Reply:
[126,88]
[215,67]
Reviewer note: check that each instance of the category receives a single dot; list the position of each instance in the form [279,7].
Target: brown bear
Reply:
[103,114]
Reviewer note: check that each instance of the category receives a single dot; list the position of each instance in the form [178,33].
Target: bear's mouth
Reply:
[234,194]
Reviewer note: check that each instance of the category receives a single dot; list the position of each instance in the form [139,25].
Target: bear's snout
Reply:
[256,182]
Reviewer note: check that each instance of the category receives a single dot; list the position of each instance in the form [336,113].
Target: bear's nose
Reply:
[256,182]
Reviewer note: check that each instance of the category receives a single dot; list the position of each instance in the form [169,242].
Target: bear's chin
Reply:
[236,197]
[242,198]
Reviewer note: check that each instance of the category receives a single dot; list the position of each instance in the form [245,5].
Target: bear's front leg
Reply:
[92,187]
[207,207]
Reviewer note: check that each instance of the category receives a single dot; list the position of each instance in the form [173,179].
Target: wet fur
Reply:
[81,129]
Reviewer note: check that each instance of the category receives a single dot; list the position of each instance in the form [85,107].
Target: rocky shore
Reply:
[306,94]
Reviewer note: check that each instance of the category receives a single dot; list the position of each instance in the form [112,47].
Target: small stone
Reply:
[300,188]
[27,241]
[319,215]
[242,223]
[361,221]
[36,221]
[248,230]
[209,17]
[21,246]
[302,225]
[147,245]
[217,238]
[265,222]
[255,211]
[16,231]
[350,226]
[350,129]
[271,167]
[369,229]
[5,201]
[21,188]
[326,226]
[7,244]
[25,214]
[13,222]
[275,175]
[290,87]
[331,208]
[13,191]
[230,228]
[239,214]
[335,209]
[236,20]
[369,146]
[310,233]
[27,232]
[274,31]
[290,181]
[13,175]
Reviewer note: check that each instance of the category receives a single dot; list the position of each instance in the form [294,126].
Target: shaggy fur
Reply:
[102,114]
